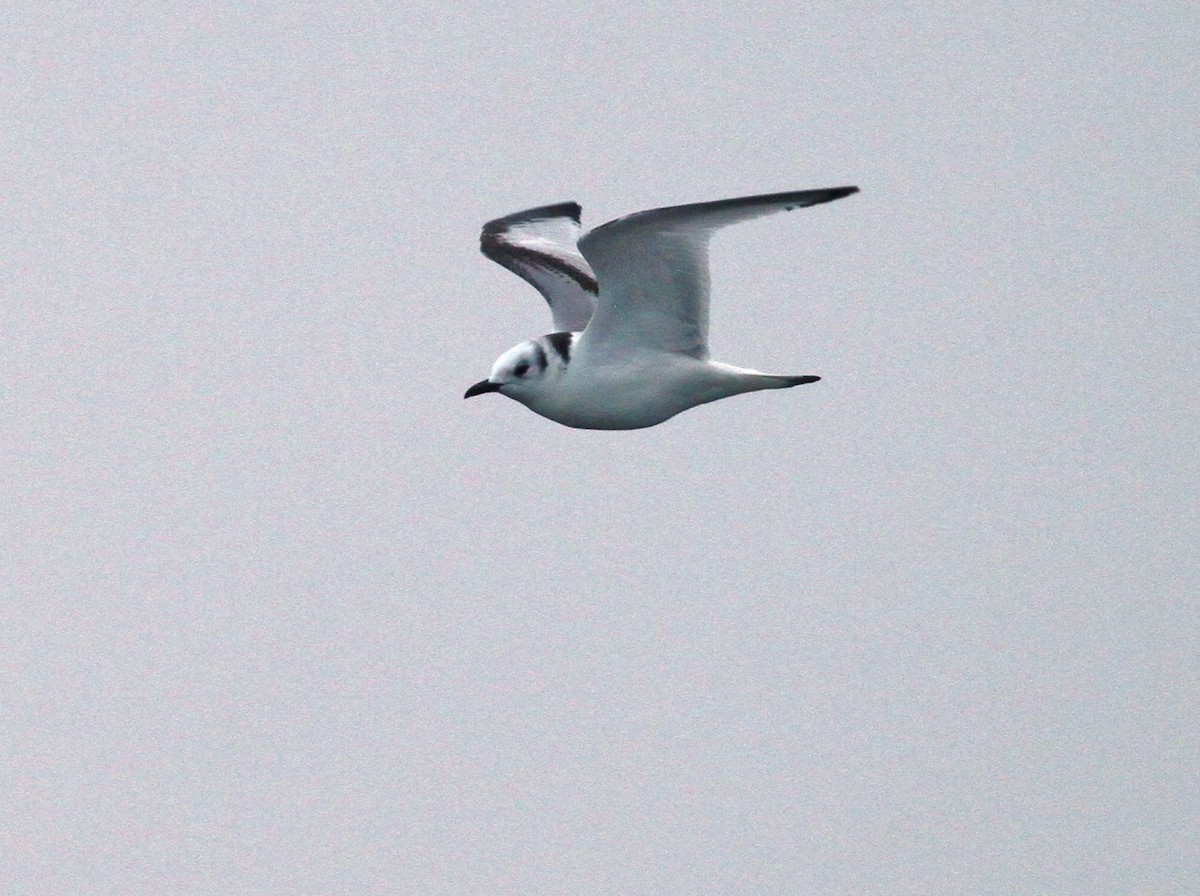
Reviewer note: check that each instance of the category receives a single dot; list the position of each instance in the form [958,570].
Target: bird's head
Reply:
[516,373]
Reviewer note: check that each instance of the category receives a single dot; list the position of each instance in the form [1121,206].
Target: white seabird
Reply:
[629,301]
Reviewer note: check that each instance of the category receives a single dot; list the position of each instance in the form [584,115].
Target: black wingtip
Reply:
[570,210]
[807,198]
[833,193]
[803,380]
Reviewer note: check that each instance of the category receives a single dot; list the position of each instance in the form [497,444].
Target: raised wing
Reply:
[539,245]
[653,270]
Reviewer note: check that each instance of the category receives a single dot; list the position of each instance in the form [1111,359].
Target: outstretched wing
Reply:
[539,245]
[653,267]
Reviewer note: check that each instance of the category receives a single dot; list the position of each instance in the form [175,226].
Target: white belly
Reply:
[633,396]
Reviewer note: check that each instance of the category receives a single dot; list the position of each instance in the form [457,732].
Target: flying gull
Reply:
[629,302]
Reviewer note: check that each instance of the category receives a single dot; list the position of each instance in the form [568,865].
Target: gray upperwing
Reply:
[653,267]
[539,245]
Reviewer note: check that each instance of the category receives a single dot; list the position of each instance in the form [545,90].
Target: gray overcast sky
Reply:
[283,614]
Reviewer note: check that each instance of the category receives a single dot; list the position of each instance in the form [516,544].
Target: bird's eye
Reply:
[521,369]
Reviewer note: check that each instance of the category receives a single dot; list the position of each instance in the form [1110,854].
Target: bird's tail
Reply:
[773,381]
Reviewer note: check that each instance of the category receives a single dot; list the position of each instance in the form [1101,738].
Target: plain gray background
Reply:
[282,614]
